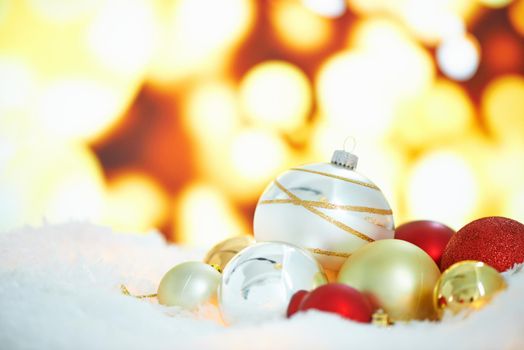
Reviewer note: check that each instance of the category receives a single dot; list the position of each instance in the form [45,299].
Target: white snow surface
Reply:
[59,289]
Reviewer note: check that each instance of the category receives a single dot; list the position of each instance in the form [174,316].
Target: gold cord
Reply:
[125,291]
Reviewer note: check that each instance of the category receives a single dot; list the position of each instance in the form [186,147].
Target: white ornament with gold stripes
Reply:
[327,208]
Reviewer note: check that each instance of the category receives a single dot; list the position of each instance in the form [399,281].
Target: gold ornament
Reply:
[189,285]
[396,275]
[380,318]
[467,285]
[221,253]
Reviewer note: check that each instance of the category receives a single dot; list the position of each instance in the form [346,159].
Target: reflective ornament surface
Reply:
[340,299]
[396,276]
[329,209]
[258,282]
[467,285]
[430,236]
[221,253]
[189,285]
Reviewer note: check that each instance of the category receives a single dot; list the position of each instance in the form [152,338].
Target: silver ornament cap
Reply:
[344,159]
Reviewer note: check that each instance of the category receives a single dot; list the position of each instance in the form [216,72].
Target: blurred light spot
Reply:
[276,94]
[442,187]
[211,113]
[514,204]
[503,107]
[299,28]
[458,57]
[428,20]
[437,116]
[198,35]
[349,98]
[516,16]
[431,22]
[53,181]
[205,216]
[73,109]
[257,156]
[4,9]
[505,169]
[17,83]
[358,90]
[326,8]
[401,67]
[64,10]
[495,3]
[368,6]
[122,35]
[135,203]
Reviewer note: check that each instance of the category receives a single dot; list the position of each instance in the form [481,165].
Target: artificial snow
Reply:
[60,289]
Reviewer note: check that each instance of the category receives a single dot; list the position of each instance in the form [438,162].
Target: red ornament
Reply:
[340,299]
[295,301]
[495,240]
[430,236]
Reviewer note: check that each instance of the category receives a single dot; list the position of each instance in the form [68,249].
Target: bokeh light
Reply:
[326,8]
[48,181]
[442,187]
[76,109]
[503,106]
[276,94]
[516,16]
[205,216]
[135,203]
[175,114]
[298,27]
[441,114]
[458,57]
[197,35]
[257,155]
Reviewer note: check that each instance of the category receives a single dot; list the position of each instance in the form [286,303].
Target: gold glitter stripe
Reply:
[328,252]
[125,291]
[328,218]
[356,182]
[327,205]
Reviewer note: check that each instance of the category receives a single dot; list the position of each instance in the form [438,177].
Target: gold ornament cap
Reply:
[344,159]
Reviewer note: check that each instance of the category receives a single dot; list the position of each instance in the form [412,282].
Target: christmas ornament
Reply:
[497,241]
[396,275]
[430,236]
[467,285]
[258,282]
[380,318]
[295,301]
[340,299]
[221,253]
[188,285]
[328,209]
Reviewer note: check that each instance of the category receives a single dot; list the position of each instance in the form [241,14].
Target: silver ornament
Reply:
[258,283]
[189,285]
[326,208]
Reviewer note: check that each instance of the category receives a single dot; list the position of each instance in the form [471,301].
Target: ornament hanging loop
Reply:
[345,158]
[353,144]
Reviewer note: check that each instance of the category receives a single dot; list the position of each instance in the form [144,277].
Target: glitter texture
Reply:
[496,241]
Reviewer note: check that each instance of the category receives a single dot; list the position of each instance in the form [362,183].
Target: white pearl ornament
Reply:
[189,285]
[326,208]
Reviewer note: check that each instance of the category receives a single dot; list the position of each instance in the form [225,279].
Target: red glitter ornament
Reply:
[340,299]
[496,241]
[430,236]
[295,301]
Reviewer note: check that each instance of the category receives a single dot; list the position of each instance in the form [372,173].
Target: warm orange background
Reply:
[176,114]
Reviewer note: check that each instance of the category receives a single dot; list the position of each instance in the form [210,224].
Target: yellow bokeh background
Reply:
[175,114]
